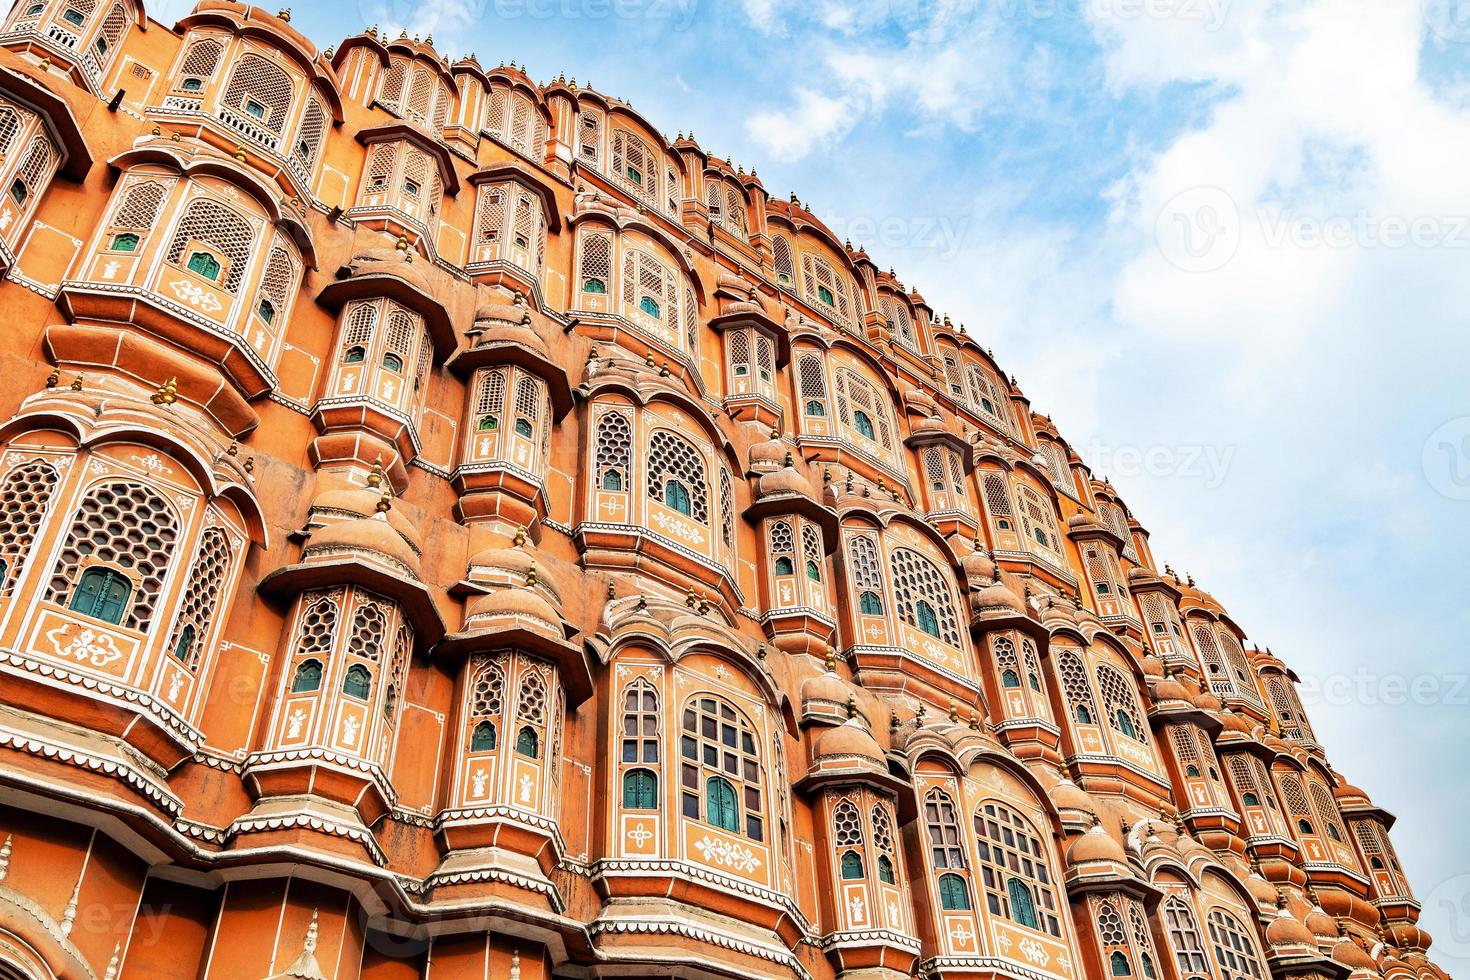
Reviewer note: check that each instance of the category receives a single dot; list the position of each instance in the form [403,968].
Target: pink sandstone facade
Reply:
[450,530]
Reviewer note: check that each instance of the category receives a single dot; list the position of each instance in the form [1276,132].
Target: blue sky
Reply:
[1224,242]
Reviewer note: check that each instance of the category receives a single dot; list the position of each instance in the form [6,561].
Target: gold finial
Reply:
[233,449]
[375,478]
[760,652]
[974,721]
[893,721]
[851,706]
[329,53]
[520,537]
[663,371]
[240,153]
[790,459]
[831,661]
[921,711]
[285,14]
[612,592]
[642,603]
[954,711]
[531,579]
[167,393]
[250,464]
[703,605]
[76,383]
[691,600]
[385,503]
[54,378]
[402,243]
[649,361]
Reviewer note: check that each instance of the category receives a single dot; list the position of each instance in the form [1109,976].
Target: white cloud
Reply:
[790,134]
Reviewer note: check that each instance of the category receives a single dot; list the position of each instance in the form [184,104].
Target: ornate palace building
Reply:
[450,530]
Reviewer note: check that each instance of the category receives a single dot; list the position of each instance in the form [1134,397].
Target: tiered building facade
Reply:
[449,530]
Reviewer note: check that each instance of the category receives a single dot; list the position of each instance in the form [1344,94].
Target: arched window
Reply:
[866,573]
[861,406]
[204,264]
[1076,687]
[531,714]
[202,595]
[676,496]
[1118,962]
[721,810]
[125,242]
[824,285]
[784,566]
[945,845]
[261,90]
[883,843]
[307,678]
[783,548]
[916,581]
[813,383]
[482,739]
[676,475]
[118,526]
[1033,666]
[25,496]
[847,836]
[1018,884]
[102,594]
[1184,936]
[1121,699]
[640,790]
[358,683]
[717,747]
[1234,949]
[596,262]
[226,233]
[640,723]
[954,894]
[781,257]
[612,450]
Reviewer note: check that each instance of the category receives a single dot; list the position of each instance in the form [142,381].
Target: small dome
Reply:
[521,605]
[1320,923]
[1054,614]
[1261,890]
[920,401]
[847,741]
[979,566]
[1152,666]
[768,455]
[1094,846]
[1286,930]
[825,687]
[364,502]
[929,425]
[1351,795]
[1354,957]
[784,481]
[1205,700]
[390,262]
[998,597]
[1067,795]
[1170,689]
[371,536]
[1234,721]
